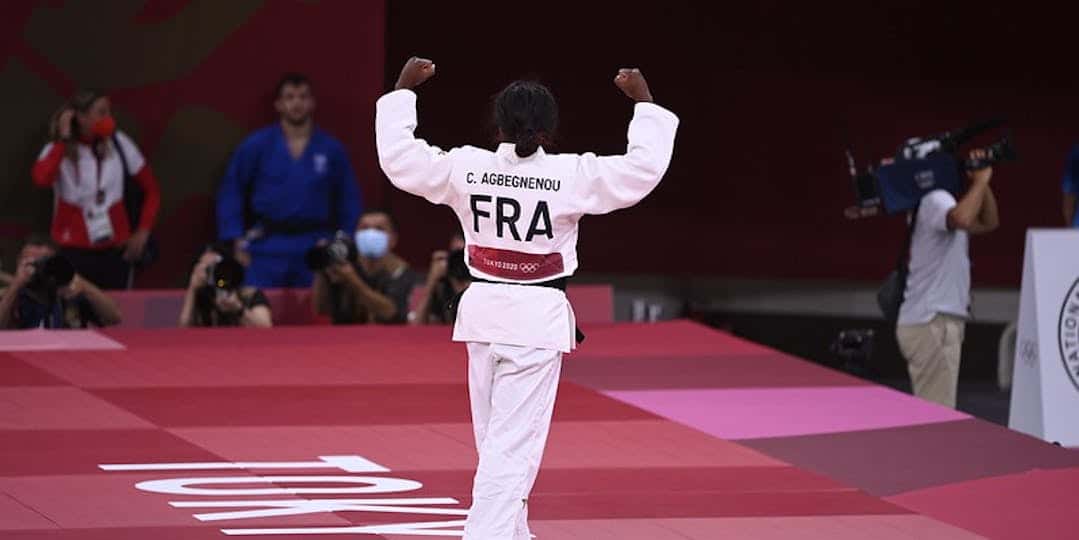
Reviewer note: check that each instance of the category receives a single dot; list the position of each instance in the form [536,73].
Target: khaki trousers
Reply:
[932,351]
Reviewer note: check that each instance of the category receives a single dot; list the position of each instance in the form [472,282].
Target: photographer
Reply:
[215,296]
[447,278]
[933,316]
[45,292]
[365,282]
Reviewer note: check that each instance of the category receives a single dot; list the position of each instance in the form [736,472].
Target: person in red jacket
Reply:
[86,164]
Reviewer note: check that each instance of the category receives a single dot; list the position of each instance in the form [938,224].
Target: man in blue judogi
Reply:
[288,185]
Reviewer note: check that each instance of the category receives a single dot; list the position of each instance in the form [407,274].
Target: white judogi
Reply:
[519,217]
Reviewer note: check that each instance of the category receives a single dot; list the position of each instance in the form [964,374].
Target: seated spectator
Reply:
[216,295]
[447,278]
[375,285]
[46,292]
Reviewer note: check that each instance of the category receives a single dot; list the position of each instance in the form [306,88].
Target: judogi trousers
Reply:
[512,392]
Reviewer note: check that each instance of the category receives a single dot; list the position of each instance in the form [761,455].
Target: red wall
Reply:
[769,94]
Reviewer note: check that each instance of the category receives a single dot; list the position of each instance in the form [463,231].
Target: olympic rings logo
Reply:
[529,268]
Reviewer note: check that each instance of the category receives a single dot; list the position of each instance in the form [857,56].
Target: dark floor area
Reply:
[814,338]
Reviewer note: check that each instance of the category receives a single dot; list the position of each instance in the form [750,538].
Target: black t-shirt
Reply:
[397,286]
[207,314]
[33,310]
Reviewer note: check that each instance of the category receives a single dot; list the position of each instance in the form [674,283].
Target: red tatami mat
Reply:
[885,527]
[338,405]
[736,371]
[643,444]
[61,407]
[1036,504]
[14,372]
[198,365]
[15,515]
[80,451]
[242,424]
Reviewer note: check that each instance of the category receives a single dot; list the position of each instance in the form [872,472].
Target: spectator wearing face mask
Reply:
[106,198]
[374,287]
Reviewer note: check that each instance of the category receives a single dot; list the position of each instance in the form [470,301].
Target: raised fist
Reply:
[632,83]
[414,73]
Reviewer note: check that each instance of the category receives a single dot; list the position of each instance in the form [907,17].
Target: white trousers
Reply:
[512,391]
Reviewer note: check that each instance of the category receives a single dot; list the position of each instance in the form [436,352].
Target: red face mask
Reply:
[104,128]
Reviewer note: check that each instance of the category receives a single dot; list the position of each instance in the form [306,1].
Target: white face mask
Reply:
[372,243]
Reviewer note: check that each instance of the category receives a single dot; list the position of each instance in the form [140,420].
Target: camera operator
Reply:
[933,315]
[216,295]
[447,278]
[370,284]
[46,292]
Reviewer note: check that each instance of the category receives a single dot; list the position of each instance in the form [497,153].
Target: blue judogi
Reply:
[295,201]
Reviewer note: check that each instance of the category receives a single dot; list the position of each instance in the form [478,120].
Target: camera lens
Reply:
[227,274]
[53,272]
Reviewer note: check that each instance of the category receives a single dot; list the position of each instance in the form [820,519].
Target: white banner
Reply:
[1045,386]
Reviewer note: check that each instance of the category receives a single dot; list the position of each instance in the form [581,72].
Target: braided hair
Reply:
[526,114]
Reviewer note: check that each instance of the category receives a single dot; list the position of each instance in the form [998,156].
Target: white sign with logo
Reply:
[1045,387]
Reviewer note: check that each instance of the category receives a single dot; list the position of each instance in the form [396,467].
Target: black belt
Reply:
[289,227]
[559,283]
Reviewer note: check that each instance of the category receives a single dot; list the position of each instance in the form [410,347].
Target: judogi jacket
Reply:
[520,215]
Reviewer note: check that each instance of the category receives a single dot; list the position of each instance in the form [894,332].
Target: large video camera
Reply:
[340,250]
[922,165]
